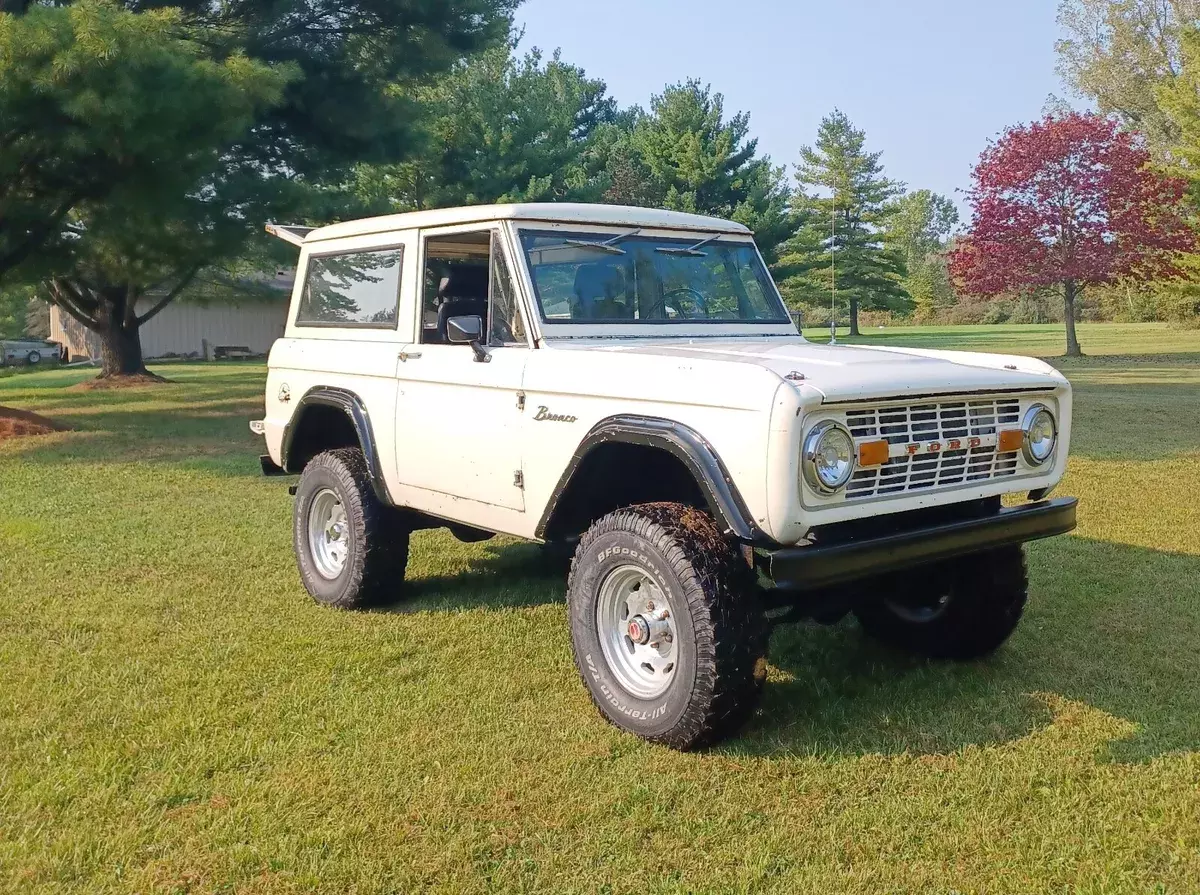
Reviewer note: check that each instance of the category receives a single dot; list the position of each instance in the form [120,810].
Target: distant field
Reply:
[1037,340]
[177,716]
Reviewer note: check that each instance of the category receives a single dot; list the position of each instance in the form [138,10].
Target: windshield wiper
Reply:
[688,250]
[609,245]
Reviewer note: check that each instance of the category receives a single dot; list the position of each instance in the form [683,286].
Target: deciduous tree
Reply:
[1119,52]
[1070,201]
[919,228]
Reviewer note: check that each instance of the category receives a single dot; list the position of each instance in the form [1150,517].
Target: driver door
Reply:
[458,424]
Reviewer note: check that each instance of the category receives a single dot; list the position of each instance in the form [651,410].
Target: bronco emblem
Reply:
[544,414]
[936,447]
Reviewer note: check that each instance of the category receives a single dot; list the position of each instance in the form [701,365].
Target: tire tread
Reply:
[991,590]
[731,630]
[376,575]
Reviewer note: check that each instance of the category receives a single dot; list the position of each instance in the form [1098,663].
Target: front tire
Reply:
[961,609]
[351,549]
[665,625]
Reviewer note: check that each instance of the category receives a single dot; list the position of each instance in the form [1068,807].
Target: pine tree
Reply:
[850,204]
[498,127]
[685,155]
[144,144]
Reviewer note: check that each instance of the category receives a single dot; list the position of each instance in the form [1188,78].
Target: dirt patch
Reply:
[131,380]
[15,423]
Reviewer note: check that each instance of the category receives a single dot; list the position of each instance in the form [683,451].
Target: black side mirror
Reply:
[467,330]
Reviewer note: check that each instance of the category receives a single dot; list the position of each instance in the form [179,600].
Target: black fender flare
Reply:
[689,447]
[356,411]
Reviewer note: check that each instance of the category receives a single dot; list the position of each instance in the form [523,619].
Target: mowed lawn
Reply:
[177,716]
[1037,340]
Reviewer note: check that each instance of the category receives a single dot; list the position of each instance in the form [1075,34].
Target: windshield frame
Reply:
[663,327]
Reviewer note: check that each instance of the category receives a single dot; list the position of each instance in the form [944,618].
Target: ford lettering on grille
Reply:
[933,445]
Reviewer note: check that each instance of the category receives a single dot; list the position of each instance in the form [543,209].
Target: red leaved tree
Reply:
[1069,201]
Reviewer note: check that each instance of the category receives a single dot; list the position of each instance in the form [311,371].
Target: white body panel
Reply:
[453,433]
[458,430]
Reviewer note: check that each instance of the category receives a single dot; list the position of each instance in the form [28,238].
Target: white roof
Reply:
[556,212]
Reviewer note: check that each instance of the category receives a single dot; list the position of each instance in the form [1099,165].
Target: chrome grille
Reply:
[924,423]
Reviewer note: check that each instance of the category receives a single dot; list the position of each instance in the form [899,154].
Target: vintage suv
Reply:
[626,382]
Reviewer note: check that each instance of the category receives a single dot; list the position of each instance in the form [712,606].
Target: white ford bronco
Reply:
[627,383]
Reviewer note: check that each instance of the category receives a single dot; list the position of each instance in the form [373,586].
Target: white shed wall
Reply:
[181,328]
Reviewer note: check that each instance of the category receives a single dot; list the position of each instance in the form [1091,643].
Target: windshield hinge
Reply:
[520,400]
[519,480]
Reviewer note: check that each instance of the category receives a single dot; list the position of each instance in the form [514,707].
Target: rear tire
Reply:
[664,572]
[351,549]
[961,609]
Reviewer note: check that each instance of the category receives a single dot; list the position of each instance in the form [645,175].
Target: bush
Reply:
[876,319]
[814,315]
[997,312]
[1036,308]
[964,314]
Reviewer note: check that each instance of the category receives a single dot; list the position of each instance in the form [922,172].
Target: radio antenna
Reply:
[832,275]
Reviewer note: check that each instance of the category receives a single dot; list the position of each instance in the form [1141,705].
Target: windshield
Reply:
[600,278]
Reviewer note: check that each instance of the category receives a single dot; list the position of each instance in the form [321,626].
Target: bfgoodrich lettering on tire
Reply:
[350,548]
[665,625]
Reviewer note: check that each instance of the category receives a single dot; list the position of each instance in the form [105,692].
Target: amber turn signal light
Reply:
[1010,440]
[873,453]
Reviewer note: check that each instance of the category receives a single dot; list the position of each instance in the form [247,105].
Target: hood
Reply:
[846,372]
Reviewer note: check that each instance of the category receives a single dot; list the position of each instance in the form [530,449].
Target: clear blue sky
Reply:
[928,80]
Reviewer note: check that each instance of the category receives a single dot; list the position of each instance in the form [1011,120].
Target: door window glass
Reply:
[467,274]
[456,282]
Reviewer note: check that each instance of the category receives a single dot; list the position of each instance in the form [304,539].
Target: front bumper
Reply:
[816,567]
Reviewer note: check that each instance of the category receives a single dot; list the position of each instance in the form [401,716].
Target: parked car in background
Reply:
[16,352]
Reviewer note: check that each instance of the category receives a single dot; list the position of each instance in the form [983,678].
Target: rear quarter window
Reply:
[355,289]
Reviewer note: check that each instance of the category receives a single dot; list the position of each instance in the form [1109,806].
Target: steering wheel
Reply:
[700,300]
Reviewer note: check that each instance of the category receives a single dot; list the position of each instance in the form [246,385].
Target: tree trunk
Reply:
[120,352]
[853,315]
[1070,291]
[120,339]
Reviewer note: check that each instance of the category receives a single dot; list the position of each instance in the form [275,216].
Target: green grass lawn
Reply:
[1039,340]
[176,715]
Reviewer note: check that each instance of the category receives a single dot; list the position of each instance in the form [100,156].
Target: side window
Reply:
[467,274]
[506,326]
[456,281]
[359,289]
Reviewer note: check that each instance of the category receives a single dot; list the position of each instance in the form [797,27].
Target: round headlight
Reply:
[1041,434]
[828,459]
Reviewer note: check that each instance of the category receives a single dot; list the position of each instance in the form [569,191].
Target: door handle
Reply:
[409,355]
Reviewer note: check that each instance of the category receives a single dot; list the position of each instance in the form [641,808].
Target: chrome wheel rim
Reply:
[328,533]
[637,631]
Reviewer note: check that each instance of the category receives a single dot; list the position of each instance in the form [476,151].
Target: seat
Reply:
[597,287]
[462,293]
